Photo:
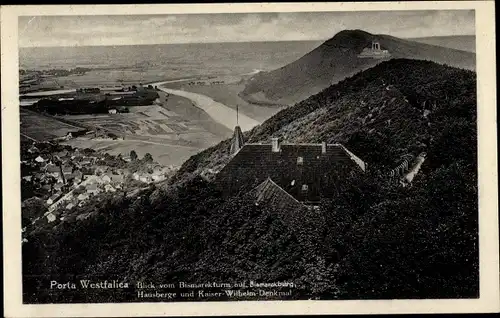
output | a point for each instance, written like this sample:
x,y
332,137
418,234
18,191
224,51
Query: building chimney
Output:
x,y
323,147
275,144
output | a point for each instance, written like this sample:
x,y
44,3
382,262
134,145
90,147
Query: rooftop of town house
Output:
x,y
82,196
109,187
52,168
67,167
55,196
77,174
117,177
58,185
62,153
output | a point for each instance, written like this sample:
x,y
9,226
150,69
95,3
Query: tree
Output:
x,y
133,155
148,158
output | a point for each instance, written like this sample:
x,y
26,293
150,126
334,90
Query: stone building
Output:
x,y
375,52
305,171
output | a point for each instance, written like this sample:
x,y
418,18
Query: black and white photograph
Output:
x,y
227,157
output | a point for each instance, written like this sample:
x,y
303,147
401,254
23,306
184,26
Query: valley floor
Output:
x,y
171,131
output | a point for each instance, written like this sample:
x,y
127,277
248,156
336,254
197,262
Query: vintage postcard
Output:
x,y
216,159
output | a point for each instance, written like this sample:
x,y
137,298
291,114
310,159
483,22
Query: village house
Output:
x,y
117,178
158,173
54,198
50,217
27,178
92,188
77,177
157,177
62,154
101,169
306,172
145,178
53,170
70,206
85,162
39,159
82,197
109,188
106,178
58,186
33,149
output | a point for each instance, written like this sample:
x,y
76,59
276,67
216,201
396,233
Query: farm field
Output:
x,y
142,120
163,153
42,128
115,77
170,132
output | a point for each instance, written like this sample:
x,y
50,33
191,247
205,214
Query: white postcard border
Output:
x,y
489,300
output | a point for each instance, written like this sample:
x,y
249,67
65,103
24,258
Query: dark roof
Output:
x,y
67,168
254,163
53,168
277,201
76,174
269,192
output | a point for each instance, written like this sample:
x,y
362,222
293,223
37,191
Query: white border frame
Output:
x,y
489,300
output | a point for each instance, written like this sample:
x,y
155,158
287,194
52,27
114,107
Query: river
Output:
x,y
217,111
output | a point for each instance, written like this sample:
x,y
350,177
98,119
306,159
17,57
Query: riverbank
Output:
x,y
219,112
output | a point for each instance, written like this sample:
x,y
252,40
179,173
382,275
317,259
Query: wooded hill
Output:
x,y
371,239
337,59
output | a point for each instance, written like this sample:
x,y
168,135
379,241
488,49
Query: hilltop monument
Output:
x,y
374,52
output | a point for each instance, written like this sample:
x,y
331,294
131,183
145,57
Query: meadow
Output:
x,y
42,128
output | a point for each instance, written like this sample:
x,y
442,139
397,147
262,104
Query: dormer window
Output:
x,y
300,160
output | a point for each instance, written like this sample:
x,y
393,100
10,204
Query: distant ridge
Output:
x,y
336,59
458,42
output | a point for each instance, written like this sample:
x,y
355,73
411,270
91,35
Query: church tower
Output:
x,y
237,141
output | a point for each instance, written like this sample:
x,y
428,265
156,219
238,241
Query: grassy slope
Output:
x,y
337,59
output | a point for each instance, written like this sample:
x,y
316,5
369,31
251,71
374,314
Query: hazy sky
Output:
x,y
196,28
